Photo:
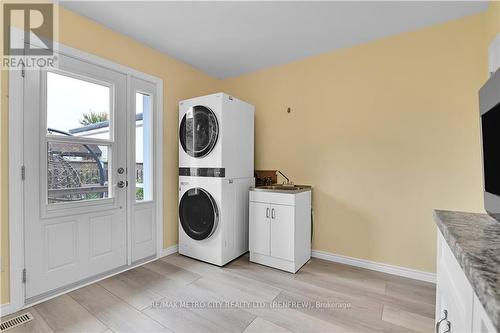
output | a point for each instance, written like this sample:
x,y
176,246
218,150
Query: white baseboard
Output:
x,y
169,250
376,266
373,265
5,309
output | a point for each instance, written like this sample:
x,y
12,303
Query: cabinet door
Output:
x,y
282,231
445,309
481,323
454,293
259,233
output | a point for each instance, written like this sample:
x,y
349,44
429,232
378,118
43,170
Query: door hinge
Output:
x,y
24,275
23,71
23,172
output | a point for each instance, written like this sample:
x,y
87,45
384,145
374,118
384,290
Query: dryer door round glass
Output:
x,y
198,213
199,131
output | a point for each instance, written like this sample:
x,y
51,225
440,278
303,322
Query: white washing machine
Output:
x,y
216,137
213,218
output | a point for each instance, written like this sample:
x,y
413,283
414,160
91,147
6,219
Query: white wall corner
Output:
x,y
494,55
376,266
169,250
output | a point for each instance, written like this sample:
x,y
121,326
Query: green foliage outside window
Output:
x,y
93,118
139,193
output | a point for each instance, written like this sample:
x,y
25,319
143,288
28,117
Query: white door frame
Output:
x,y
16,158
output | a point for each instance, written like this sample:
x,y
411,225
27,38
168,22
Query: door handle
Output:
x,y
273,213
121,184
267,212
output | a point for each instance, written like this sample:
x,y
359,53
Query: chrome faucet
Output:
x,y
287,180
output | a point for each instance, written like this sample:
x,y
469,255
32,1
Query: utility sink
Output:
x,y
283,188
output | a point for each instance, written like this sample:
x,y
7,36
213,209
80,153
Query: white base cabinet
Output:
x,y
481,323
457,307
280,229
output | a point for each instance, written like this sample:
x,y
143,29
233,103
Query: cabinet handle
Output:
x,y
267,212
273,214
448,328
444,318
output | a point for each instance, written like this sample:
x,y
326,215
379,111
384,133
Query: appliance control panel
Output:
x,y
203,172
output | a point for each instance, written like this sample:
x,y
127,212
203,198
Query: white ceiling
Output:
x,y
226,39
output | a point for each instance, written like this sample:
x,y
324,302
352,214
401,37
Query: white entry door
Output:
x,y
75,157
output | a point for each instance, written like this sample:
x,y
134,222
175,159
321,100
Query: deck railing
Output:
x,y
89,180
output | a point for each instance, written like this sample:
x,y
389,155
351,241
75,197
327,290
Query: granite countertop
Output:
x,y
474,239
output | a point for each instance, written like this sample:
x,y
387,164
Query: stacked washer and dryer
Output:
x,y
216,158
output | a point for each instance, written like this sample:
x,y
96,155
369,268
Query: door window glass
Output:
x,y
78,110
77,172
143,148
77,107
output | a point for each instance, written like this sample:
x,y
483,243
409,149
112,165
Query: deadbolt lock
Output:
x,y
121,170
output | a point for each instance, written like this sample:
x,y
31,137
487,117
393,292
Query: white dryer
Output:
x,y
216,137
213,218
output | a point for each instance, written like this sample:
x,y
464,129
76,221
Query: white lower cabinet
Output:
x,y
282,232
259,225
280,229
457,307
481,323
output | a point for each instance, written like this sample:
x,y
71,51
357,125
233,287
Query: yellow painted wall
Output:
x,y
385,132
180,82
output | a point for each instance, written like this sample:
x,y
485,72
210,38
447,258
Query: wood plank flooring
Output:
x,y
179,294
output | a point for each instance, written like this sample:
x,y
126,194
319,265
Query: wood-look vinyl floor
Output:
x,y
179,294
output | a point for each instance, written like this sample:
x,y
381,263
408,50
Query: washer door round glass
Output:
x,y
199,131
198,213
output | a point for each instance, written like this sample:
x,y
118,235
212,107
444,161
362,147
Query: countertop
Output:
x,y
474,239
298,189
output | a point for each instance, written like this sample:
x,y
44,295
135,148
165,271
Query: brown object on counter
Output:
x,y
265,177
